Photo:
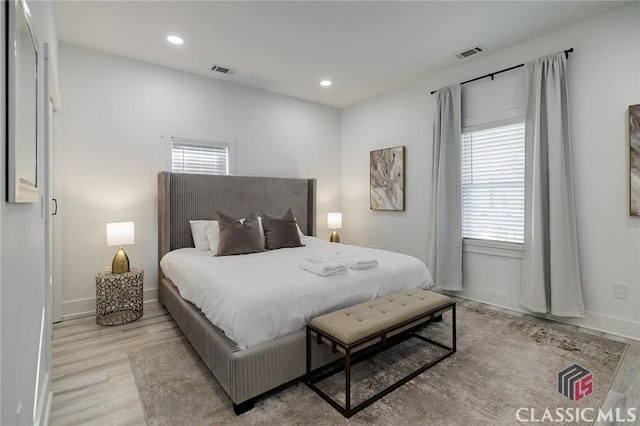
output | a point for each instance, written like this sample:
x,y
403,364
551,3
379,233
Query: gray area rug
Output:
x,y
504,362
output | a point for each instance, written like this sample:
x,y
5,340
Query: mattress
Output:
x,y
255,298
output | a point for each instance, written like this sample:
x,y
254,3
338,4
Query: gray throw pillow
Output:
x,y
280,232
239,238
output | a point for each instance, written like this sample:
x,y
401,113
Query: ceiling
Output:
x,y
365,48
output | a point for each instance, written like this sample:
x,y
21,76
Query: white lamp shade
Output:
x,y
334,220
120,234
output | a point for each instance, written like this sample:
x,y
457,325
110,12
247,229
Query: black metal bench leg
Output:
x,y
243,407
307,376
454,333
437,318
347,378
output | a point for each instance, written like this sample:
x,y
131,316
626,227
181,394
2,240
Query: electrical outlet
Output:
x,y
621,291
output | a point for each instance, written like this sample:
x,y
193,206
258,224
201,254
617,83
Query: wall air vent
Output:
x,y
222,69
471,51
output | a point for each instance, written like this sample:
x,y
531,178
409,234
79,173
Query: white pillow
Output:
x,y
213,236
300,234
261,231
200,230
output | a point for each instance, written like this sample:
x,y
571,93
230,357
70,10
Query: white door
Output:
x,y
54,270
53,261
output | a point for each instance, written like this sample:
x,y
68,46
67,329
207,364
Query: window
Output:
x,y
198,158
493,183
215,156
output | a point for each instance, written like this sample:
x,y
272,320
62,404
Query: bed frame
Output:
x,y
243,374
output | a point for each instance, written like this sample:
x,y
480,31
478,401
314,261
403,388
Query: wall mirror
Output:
x,y
22,105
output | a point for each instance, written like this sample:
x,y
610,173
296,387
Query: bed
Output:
x,y
251,364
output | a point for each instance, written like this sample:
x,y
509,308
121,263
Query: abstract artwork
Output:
x,y
634,169
386,179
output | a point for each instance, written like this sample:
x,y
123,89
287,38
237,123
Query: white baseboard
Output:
x,y
613,325
85,307
593,321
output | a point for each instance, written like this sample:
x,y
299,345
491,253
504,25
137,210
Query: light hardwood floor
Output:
x,y
92,381
93,384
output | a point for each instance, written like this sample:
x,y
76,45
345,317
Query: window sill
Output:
x,y
492,248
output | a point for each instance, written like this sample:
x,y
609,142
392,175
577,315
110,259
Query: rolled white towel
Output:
x,y
357,263
318,259
324,269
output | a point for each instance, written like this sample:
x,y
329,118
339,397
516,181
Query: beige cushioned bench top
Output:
x,y
354,323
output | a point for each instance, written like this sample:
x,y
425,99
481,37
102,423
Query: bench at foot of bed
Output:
x,y
379,323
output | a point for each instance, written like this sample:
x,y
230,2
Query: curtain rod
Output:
x,y
492,74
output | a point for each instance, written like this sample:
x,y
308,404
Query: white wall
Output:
x,y
110,152
604,80
23,287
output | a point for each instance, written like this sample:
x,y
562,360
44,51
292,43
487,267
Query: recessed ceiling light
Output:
x,y
326,83
174,39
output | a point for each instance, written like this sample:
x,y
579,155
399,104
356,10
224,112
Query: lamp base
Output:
x,y
120,263
335,238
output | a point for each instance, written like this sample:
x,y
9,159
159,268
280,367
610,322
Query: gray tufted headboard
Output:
x,y
183,197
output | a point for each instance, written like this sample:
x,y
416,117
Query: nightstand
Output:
x,y
118,296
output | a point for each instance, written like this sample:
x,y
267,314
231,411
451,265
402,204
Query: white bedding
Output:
x,y
255,298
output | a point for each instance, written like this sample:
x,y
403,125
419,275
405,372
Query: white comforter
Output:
x,y
258,297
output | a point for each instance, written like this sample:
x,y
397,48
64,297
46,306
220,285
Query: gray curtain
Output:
x,y
445,251
550,278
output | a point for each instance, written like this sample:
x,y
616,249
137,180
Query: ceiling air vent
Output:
x,y
471,51
222,69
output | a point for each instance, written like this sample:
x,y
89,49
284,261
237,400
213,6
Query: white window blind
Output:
x,y
195,157
493,184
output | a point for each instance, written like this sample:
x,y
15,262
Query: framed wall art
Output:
x,y
22,105
386,179
634,156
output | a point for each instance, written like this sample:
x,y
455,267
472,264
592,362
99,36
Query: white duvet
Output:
x,y
255,298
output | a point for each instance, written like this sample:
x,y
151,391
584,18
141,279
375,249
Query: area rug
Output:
x,y
505,370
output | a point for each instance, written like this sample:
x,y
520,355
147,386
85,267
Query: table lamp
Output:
x,y
120,234
334,221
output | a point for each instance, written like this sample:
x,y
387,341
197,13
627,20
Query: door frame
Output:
x,y
53,260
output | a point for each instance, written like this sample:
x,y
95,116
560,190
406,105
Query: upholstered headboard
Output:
x,y
183,197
